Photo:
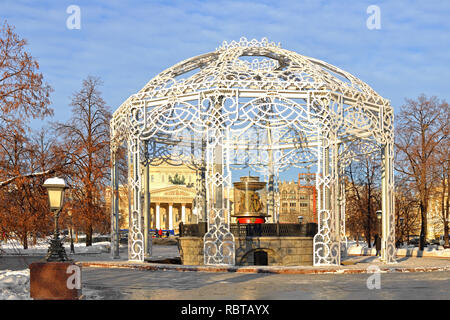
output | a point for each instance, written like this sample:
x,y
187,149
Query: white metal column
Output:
x,y
115,238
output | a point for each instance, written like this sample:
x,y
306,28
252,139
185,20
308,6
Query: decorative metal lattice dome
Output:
x,y
252,104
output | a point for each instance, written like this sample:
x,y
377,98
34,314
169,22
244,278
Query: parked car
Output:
x,y
415,241
436,241
123,236
101,238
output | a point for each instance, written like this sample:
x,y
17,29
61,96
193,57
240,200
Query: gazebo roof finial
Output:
x,y
244,43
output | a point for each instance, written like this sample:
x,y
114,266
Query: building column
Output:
x,y
158,218
183,213
170,216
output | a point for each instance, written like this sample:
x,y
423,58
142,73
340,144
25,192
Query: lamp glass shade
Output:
x,y
55,197
55,188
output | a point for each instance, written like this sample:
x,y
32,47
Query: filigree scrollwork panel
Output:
x,y
136,236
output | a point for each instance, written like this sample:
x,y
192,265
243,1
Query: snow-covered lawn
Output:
x,y
13,247
429,251
406,250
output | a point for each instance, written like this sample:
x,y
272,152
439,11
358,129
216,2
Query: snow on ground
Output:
x,y
13,247
429,251
353,244
15,285
405,250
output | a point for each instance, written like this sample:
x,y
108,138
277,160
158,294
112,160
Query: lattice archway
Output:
x,y
223,111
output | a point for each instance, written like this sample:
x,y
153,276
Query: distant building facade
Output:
x,y
297,199
438,202
170,203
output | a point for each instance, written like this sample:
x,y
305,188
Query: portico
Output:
x,y
171,205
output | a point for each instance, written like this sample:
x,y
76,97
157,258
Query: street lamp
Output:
x,y
55,189
72,248
300,220
401,228
379,214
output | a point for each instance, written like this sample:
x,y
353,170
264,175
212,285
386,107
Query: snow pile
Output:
x,y
15,285
91,294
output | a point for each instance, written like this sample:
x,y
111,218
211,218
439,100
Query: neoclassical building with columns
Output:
x,y
170,203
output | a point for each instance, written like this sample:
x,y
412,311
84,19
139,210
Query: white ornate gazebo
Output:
x,y
252,104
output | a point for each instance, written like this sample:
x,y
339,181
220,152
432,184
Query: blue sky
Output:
x,y
127,43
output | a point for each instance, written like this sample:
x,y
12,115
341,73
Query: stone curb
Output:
x,y
273,270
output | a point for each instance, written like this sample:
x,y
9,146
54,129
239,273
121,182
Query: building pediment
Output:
x,y
172,194
173,190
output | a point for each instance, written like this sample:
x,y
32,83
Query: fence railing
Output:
x,y
255,230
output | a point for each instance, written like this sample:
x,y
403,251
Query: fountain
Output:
x,y
248,206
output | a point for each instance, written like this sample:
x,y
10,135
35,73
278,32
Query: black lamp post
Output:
x,y
379,214
72,248
55,188
300,220
380,238
402,229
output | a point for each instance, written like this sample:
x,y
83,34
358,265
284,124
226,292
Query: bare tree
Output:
x,y
24,205
23,94
86,142
406,213
420,128
363,196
